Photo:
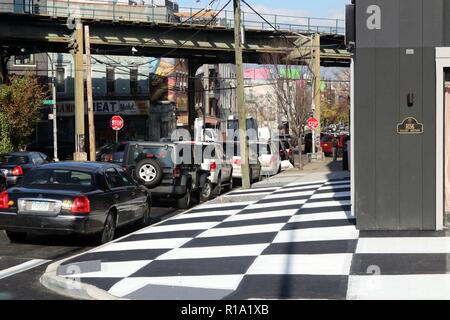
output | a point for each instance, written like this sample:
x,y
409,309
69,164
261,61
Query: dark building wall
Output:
x,y
395,174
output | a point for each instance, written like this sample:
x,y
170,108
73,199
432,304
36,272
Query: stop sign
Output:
x,y
117,123
313,123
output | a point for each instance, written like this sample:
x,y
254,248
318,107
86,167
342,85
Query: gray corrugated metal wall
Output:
x,y
395,174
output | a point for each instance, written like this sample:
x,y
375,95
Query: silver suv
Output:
x,y
221,170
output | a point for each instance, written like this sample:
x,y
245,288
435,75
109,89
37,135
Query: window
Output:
x,y
133,80
59,177
110,81
127,180
37,159
60,80
114,179
14,159
26,59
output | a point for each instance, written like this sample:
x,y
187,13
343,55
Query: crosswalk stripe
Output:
x,y
22,267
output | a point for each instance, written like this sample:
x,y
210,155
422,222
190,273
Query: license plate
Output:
x,y
40,206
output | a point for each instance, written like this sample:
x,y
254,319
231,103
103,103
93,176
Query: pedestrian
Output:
x,y
335,148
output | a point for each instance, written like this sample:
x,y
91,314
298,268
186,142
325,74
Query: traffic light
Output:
x,y
73,43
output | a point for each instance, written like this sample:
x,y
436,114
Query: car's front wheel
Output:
x,y
16,236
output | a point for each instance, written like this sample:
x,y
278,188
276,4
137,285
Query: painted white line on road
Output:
x,y
289,195
188,215
22,267
331,195
251,250
335,187
318,264
119,269
129,285
327,204
339,215
293,189
178,227
262,215
143,245
277,204
399,287
223,205
232,231
337,182
317,234
297,184
403,245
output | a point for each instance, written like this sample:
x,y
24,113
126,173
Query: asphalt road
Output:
x,y
22,264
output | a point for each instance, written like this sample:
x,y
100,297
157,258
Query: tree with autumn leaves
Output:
x,y
20,100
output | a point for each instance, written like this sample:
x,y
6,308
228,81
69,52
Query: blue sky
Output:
x,y
312,8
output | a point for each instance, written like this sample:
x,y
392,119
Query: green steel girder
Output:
x,y
211,45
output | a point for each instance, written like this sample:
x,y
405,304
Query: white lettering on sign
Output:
x,y
374,19
127,107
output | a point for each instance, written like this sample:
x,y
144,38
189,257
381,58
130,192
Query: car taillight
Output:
x,y
17,171
176,173
81,204
213,166
4,199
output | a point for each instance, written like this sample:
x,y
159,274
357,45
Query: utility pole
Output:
x,y
80,154
316,97
89,94
240,98
205,97
54,119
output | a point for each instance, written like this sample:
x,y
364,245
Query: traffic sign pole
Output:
x,y
117,124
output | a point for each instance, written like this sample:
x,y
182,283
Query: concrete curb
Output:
x,y
71,288
76,289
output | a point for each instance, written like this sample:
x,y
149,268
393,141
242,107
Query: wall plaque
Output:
x,y
410,126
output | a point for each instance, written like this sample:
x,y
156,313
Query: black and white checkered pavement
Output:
x,y
296,242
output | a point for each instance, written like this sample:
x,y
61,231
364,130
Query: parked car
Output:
x,y
112,152
87,198
3,181
269,157
220,170
326,143
65,149
15,165
167,169
235,159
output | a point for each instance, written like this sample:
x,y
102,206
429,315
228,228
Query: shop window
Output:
x,y
110,81
134,88
24,60
60,80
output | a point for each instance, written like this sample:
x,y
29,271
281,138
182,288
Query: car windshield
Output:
x,y
14,159
58,178
326,138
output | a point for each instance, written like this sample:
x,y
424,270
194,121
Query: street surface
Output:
x,y
22,264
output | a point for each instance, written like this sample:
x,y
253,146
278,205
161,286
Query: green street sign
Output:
x,y
48,102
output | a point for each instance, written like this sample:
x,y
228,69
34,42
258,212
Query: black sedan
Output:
x,y
15,165
87,198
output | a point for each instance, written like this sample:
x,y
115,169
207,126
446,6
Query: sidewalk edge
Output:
x,y
70,288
